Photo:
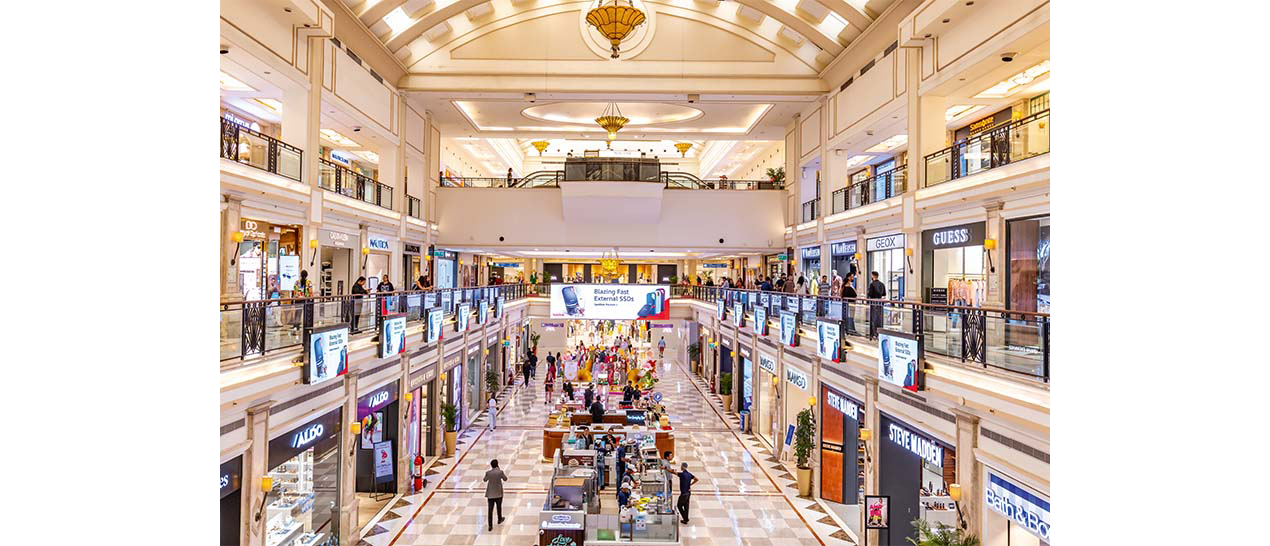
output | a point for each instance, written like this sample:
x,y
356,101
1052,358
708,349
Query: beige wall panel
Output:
x,y
354,84
555,37
868,93
683,39
262,23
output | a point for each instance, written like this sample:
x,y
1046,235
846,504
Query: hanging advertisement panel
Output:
x,y
789,329
435,317
462,315
392,336
610,301
900,360
760,321
829,336
325,353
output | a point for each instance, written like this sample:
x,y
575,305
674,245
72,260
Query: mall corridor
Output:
x,y
744,495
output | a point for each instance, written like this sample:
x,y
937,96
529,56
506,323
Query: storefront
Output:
x,y
810,261
445,263
507,272
338,262
914,470
768,385
411,265
376,450
268,259
842,457
452,388
1015,514
747,383
798,393
774,265
976,155
304,465
377,268
953,265
231,501
842,256
1028,264
886,257
472,379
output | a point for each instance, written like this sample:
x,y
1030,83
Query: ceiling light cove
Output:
x,y
639,113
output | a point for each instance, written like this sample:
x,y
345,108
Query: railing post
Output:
x,y
273,156
1045,348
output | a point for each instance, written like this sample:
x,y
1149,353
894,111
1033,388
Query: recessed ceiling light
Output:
x,y
272,104
889,144
230,83
856,160
1016,82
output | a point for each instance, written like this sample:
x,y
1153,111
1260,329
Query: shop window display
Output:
x,y
302,507
1029,264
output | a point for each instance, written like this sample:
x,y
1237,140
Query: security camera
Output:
x,y
357,129
693,98
1008,56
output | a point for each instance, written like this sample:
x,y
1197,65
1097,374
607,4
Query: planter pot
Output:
x,y
727,402
450,439
804,482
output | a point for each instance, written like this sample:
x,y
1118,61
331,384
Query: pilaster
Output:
x,y
231,219
871,422
403,426
968,474
347,490
255,466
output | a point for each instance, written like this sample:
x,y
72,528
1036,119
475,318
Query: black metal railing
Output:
x,y
811,210
1014,141
238,143
414,207
879,187
610,169
552,179
349,183
249,328
998,338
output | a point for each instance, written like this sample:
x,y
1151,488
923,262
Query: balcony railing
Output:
x,y
1015,141
238,143
811,210
414,207
876,188
349,183
992,338
250,328
552,179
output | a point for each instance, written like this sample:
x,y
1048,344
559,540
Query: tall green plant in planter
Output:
x,y
725,390
533,340
450,418
941,535
694,353
804,439
491,381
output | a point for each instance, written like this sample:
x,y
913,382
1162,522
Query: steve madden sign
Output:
x,y
843,405
885,243
955,236
923,447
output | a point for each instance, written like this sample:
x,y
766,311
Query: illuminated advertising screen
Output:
x,y
738,314
392,335
610,301
447,298
498,307
482,311
461,316
829,339
900,360
760,321
435,319
789,329
325,353
723,309
429,300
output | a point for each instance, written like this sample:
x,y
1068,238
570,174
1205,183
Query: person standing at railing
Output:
x,y
848,291
877,291
509,177
384,285
422,283
359,288
302,287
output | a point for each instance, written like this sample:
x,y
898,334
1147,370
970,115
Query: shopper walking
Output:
x,y
877,291
525,370
533,363
494,478
597,412
493,410
661,347
588,396
686,480
551,385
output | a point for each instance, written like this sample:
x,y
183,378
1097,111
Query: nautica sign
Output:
x,y
307,435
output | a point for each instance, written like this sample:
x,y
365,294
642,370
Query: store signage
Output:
x,y
760,320
464,314
611,301
376,242
307,436
376,400
335,238
325,353
899,360
738,314
553,325
506,264
845,248
763,299
745,352
722,309
796,378
954,237
231,476
920,445
1021,506
843,405
782,257
885,243
811,252
714,266
789,329
392,335
412,248
829,335
340,158
254,230
383,460
379,398
767,363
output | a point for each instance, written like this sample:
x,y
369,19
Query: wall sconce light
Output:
x,y
811,401
410,396
313,244
954,492
990,245
866,434
266,485
908,257
355,427
443,376
776,381
365,257
237,237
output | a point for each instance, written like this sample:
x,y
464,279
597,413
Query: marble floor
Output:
x,y
745,495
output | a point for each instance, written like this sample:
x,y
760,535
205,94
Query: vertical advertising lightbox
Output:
x,y
435,318
723,309
789,329
829,340
482,311
900,360
738,314
498,307
461,316
760,321
392,335
325,353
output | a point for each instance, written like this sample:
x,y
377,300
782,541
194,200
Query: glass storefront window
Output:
x,y
890,267
473,385
1029,264
303,500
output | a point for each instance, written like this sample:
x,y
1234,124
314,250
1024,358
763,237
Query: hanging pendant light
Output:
x,y
612,120
615,21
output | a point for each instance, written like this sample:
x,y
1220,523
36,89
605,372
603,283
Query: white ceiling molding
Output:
x,y
828,43
814,9
746,12
378,10
479,11
441,29
791,35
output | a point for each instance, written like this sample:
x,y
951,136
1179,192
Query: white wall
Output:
x,y
694,219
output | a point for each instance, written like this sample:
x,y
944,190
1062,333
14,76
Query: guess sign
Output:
x,y
955,236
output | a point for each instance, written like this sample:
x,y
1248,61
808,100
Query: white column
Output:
x,y
347,490
968,474
871,422
231,219
926,125
255,466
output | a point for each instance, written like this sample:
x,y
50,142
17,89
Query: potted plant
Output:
x,y
694,353
491,381
725,390
942,535
450,415
674,279
533,340
803,440
776,175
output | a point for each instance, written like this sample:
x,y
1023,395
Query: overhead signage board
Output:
x,y
954,236
767,363
795,377
325,353
376,242
811,252
885,243
1025,508
722,310
926,448
900,360
842,404
336,238
714,266
844,248
611,301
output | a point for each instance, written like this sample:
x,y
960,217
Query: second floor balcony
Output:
x,y
879,187
241,144
811,210
1015,141
349,183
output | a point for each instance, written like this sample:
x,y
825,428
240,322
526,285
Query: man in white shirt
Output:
x,y
493,409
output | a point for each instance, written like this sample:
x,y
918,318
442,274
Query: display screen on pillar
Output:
x,y
789,329
435,319
829,339
462,315
325,353
760,321
392,335
900,360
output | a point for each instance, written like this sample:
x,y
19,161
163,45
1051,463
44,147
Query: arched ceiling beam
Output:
x,y
858,19
429,20
798,24
376,12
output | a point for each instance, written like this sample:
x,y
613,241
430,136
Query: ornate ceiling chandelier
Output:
x,y
540,145
683,148
609,262
615,21
612,120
